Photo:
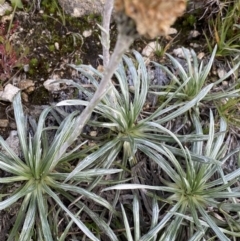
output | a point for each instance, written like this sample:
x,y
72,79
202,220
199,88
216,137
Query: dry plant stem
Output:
x,y
108,7
122,45
105,39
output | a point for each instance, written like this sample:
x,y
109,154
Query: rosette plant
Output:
x,y
194,75
37,180
197,199
119,113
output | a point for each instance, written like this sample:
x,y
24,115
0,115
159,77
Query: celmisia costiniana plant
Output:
x,y
39,176
192,197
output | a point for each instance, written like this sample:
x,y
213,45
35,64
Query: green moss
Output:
x,y
45,16
33,62
48,4
51,48
31,72
190,20
40,96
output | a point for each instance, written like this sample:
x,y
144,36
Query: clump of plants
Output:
x,y
64,185
192,78
40,174
229,109
224,30
198,205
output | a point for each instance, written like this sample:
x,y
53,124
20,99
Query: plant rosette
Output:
x,y
120,113
40,175
196,205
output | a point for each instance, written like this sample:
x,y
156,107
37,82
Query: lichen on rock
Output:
x,y
80,8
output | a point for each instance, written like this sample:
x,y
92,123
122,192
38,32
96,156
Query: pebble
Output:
x,y
56,44
4,123
194,34
225,83
181,54
13,142
201,55
87,33
51,86
151,48
221,73
93,133
82,8
9,92
27,85
24,97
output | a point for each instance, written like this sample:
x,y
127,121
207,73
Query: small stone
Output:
x,y
13,142
27,85
24,97
4,123
81,8
225,83
9,92
56,44
195,45
26,67
92,143
93,133
30,89
6,18
87,33
201,55
221,73
51,86
194,34
151,48
180,53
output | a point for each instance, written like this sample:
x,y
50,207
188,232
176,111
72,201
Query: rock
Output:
x,y
201,55
13,142
180,53
56,44
9,92
26,67
80,8
26,85
51,86
93,133
151,48
221,72
194,34
87,33
4,123
24,97
225,83
195,45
